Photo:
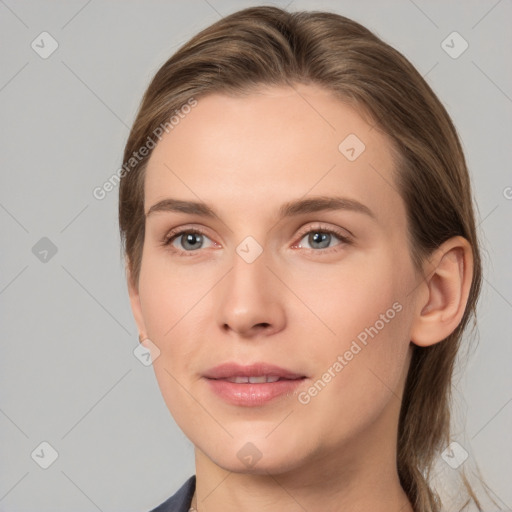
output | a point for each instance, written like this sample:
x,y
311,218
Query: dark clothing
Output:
x,y
181,500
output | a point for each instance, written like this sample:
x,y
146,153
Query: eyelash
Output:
x,y
343,238
171,236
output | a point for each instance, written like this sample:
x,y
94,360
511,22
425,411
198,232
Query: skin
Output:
x,y
298,305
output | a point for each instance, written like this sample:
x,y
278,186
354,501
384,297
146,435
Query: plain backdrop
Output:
x,y
68,373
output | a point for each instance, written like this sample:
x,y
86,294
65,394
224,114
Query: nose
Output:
x,y
250,299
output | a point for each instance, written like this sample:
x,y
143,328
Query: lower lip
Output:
x,y
253,395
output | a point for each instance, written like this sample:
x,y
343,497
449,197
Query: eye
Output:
x,y
186,240
320,238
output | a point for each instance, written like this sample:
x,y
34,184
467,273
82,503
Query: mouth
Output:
x,y
251,372
240,379
252,385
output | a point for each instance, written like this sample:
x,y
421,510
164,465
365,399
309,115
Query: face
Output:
x,y
295,260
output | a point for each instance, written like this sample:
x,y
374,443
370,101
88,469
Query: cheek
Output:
x,y
362,305
168,295
353,298
368,373
172,302
165,303
368,354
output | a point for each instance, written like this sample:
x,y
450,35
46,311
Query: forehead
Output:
x,y
271,145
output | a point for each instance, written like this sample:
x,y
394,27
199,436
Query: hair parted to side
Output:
x,y
269,46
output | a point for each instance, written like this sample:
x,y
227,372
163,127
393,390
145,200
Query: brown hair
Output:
x,y
269,46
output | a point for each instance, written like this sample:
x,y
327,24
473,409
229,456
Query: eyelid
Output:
x,y
174,233
168,239
343,235
319,226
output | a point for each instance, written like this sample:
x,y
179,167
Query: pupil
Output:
x,y
320,238
192,240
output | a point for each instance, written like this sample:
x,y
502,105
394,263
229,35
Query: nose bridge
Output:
x,y
249,296
249,276
248,261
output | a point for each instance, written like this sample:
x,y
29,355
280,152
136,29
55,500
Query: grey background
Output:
x,y
68,373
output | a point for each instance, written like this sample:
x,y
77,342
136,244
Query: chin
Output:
x,y
255,459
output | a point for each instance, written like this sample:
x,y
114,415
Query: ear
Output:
x,y
133,292
443,294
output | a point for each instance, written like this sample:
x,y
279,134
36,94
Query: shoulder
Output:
x,y
181,500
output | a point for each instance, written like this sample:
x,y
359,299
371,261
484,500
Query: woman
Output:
x,y
302,262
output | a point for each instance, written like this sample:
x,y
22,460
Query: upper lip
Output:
x,y
231,369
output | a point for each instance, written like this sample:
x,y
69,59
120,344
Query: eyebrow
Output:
x,y
289,209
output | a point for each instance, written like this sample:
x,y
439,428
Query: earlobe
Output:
x,y
443,295
133,292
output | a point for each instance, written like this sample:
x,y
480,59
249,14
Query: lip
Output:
x,y
252,394
230,369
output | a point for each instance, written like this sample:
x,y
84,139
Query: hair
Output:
x,y
267,46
